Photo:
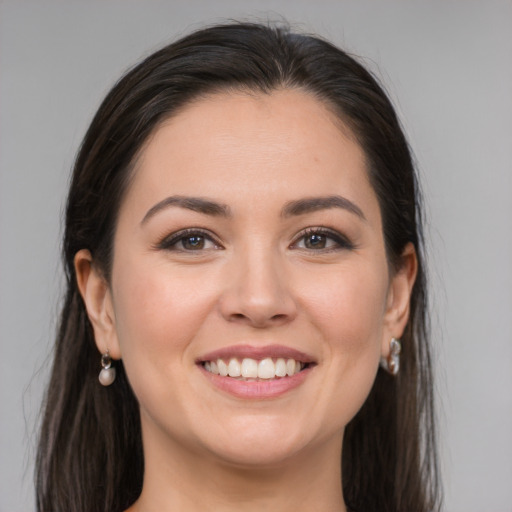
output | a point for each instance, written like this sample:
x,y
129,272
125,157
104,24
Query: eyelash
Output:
x,y
341,242
170,243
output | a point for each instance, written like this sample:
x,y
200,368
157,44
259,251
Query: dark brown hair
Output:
x,y
90,455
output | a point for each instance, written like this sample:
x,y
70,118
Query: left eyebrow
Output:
x,y
313,204
196,204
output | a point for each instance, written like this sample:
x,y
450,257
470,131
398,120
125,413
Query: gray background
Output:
x,y
448,68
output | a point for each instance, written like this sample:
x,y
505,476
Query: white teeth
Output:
x,y
266,369
280,367
249,368
223,368
252,369
234,368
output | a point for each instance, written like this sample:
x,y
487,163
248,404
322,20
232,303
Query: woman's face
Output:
x,y
250,240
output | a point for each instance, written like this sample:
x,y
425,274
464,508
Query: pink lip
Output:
x,y
258,353
256,390
260,389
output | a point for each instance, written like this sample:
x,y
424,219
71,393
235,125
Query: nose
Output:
x,y
257,291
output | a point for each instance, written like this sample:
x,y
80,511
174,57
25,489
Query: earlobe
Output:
x,y
97,297
399,297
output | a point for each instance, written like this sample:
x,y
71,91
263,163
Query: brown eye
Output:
x,y
189,241
315,241
322,239
193,243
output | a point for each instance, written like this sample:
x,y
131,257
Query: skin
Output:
x,y
255,279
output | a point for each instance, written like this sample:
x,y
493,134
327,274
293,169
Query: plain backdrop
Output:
x,y
448,68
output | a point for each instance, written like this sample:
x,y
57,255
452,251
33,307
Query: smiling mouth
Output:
x,y
248,369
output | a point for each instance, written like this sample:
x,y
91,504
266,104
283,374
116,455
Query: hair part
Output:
x,y
90,450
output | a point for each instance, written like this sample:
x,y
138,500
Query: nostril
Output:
x,y
258,320
253,307
238,316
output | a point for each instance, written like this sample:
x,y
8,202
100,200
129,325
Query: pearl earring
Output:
x,y
107,373
392,363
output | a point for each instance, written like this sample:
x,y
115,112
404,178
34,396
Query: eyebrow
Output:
x,y
196,204
313,204
292,208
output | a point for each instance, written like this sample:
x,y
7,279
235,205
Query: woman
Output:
x,y
242,248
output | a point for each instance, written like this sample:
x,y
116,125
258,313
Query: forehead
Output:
x,y
251,144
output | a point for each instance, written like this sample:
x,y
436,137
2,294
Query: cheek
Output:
x,y
347,306
347,310
157,312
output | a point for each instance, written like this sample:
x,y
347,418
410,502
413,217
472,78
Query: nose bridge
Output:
x,y
258,291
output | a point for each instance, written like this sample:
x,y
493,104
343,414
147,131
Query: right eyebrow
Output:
x,y
196,204
313,204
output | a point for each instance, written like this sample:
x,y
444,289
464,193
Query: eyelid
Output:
x,y
170,240
342,241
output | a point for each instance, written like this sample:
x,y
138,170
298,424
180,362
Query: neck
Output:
x,y
179,480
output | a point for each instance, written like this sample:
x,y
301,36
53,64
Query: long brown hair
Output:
x,y
90,455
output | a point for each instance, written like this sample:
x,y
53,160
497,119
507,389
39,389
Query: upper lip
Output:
x,y
258,353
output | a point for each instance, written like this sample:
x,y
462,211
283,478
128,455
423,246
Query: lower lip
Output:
x,y
256,390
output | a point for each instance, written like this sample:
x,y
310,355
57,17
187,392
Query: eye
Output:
x,y
321,239
189,240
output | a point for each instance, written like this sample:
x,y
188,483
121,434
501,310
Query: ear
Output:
x,y
98,301
399,297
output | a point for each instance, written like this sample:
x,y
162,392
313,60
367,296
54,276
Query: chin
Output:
x,y
258,442
257,455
